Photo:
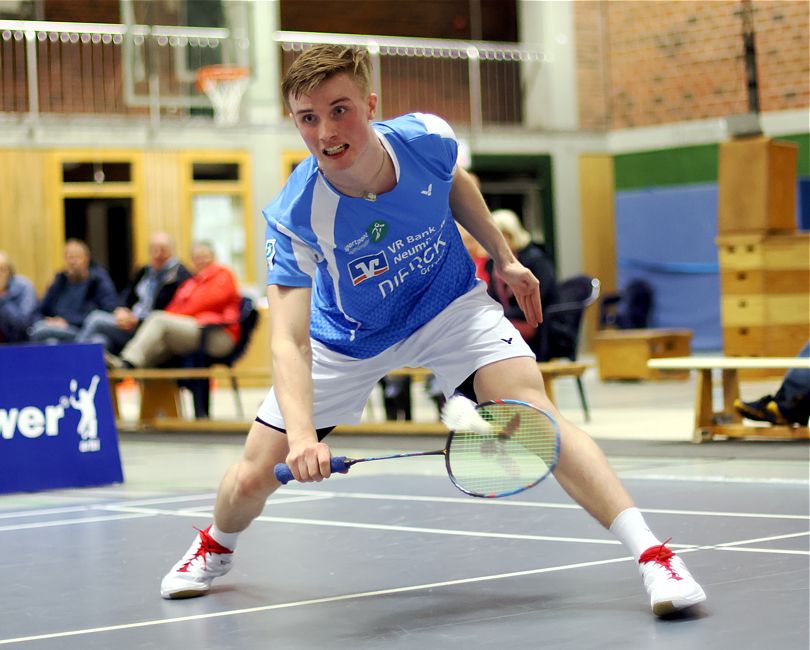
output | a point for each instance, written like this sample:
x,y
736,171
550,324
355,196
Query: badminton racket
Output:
x,y
494,449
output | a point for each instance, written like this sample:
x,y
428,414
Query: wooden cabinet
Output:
x,y
765,283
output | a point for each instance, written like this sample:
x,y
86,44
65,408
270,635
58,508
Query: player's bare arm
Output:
x,y
470,210
289,309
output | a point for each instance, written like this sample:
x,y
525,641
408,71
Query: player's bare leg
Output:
x,y
583,471
242,494
585,474
247,484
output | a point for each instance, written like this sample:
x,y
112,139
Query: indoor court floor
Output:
x,y
391,556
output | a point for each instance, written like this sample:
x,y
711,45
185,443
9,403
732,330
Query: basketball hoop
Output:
x,y
224,85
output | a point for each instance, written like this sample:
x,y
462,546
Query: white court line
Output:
x,y
19,514
683,548
314,601
173,499
387,527
755,540
208,508
778,551
70,522
533,504
43,512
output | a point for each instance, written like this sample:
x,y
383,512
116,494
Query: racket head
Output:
x,y
521,451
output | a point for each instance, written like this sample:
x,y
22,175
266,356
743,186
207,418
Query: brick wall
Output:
x,y
646,63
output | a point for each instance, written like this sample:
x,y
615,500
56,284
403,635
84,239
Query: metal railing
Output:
x,y
105,69
474,83
138,70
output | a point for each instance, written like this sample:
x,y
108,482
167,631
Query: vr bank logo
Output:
x,y
32,422
367,267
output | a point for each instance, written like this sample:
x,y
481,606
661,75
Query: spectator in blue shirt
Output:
x,y
18,300
82,287
152,287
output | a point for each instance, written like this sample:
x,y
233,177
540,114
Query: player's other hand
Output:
x,y
526,288
309,461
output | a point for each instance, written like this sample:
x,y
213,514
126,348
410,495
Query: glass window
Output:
x,y
89,172
215,171
218,218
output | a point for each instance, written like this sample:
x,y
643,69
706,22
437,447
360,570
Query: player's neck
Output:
x,y
366,184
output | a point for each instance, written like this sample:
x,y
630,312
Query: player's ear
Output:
x,y
372,105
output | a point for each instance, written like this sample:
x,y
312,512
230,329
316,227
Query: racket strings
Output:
x,y
519,452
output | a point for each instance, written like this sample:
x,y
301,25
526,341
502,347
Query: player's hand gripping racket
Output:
x,y
494,449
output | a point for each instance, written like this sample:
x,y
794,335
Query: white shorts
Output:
x,y
471,332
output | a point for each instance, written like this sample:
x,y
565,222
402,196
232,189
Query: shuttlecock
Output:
x,y
460,414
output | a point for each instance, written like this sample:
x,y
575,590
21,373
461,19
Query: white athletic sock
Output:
x,y
228,540
631,530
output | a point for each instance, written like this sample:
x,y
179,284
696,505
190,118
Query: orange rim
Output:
x,y
217,73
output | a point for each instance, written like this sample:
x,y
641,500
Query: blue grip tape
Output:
x,y
284,475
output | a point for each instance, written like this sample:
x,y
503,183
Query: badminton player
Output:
x,y
367,273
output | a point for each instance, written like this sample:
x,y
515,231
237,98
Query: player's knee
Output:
x,y
253,481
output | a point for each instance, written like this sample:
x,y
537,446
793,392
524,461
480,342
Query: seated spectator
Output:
x,y
791,403
81,288
152,287
536,259
18,300
210,297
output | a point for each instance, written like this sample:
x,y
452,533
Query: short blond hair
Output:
x,y
321,62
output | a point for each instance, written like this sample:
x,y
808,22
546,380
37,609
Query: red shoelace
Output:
x,y
207,545
660,555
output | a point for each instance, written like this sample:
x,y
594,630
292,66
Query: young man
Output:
x,y
367,273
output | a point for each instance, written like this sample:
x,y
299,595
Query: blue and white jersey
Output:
x,y
378,270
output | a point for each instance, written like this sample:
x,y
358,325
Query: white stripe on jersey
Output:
x,y
305,257
387,146
324,208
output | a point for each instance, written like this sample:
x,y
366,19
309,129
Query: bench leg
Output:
x,y
549,385
703,406
114,399
731,391
159,397
582,399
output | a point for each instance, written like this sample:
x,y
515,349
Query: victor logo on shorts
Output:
x,y
377,230
367,267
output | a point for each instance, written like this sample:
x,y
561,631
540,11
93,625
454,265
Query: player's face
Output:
x,y
334,122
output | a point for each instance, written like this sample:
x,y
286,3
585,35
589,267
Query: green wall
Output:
x,y
685,165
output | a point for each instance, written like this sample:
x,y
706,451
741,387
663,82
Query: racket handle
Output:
x,y
284,474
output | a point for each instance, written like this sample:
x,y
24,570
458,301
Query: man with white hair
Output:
x,y
152,287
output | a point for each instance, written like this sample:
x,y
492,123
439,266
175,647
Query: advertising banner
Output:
x,y
57,428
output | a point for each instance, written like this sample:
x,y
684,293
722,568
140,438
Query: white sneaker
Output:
x,y
668,581
192,576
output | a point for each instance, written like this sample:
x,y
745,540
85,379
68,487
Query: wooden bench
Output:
x,y
160,405
160,392
727,422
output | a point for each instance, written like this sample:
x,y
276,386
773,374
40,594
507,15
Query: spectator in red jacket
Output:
x,y
210,297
